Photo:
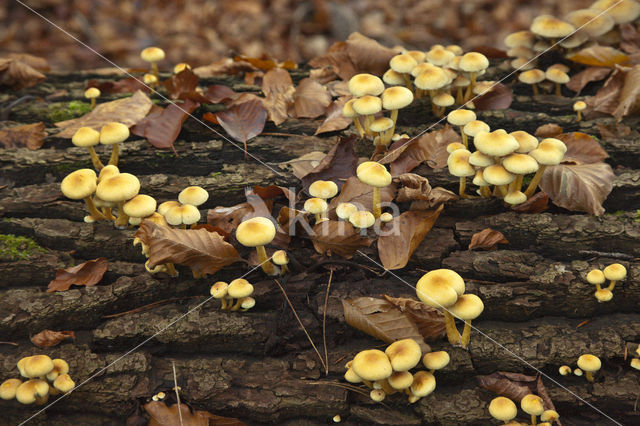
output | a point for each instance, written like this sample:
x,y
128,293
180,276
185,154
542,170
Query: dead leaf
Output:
x,y
613,131
606,99
128,111
335,120
178,85
629,100
499,97
17,75
291,222
402,236
244,120
440,195
582,149
278,90
356,192
538,203
126,85
580,80
550,130
49,338
265,63
310,99
430,321
338,237
28,135
225,66
412,187
273,191
35,62
599,56
228,218
162,127
88,274
385,321
487,239
161,415
219,93
302,166
203,251
490,52
339,163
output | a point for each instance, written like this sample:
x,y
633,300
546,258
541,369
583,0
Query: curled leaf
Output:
x,y
339,163
88,273
162,127
580,80
278,90
499,97
310,99
338,237
163,415
412,187
629,100
487,239
582,148
335,120
16,74
49,338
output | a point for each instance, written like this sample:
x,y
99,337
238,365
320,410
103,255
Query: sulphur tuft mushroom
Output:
x,y
139,207
194,195
459,166
182,215
88,138
473,63
532,77
239,289
564,370
362,219
317,207
118,189
281,259
549,152
345,210
31,391
349,112
92,93
219,291
460,118
80,185
614,273
549,416
323,189
596,277
578,107
589,364
440,289
558,77
532,405
404,354
503,409
64,383
8,388
112,134
153,55
371,365
394,99
467,308
375,175
423,384
435,360
258,232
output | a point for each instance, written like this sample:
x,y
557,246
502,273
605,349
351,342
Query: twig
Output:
x,y
149,306
284,135
9,343
301,325
344,262
622,256
324,323
175,384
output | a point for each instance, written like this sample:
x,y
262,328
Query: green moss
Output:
x,y
18,248
164,154
61,111
72,167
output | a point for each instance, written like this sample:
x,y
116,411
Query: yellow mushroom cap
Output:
x,y
521,52
577,372
520,164
149,79
404,354
443,100
365,84
345,210
92,93
193,195
347,109
367,105
247,302
532,76
454,146
29,391
8,388
457,50
112,133
184,214
381,124
64,383
557,76
574,40
436,360
439,56
396,97
498,175
461,117
280,258
108,171
595,276
592,22
140,206
458,163
377,395
603,295
551,27
520,39
86,136
564,370
523,64
219,289
315,205
120,187
38,365
239,288
438,288
547,153
79,184
257,231
20,366
474,127
400,379
532,404
323,189
163,208
152,54
467,307
181,67
60,366
402,63
478,179
423,384
497,143
351,376
526,141
473,62
615,272
579,106
362,219
420,68
588,362
480,159
515,197
393,78
549,416
624,10
503,409
386,217
418,55
372,365
374,174
432,78
635,363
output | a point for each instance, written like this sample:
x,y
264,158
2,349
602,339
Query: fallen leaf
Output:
x,y
356,192
210,117
582,149
629,100
126,85
490,52
487,239
606,99
278,90
226,235
538,203
219,93
265,63
49,338
310,100
440,195
550,130
203,251
225,66
162,127
302,166
339,163
228,218
244,120
430,321
181,84
88,274
412,187
28,135
499,97
613,131
17,75
274,191
291,222
599,56
128,111
161,415
35,62
338,237
402,236
590,74
335,120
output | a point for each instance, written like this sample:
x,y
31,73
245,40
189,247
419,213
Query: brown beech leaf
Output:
x,y
335,120
49,338
586,76
182,83
538,203
244,120
402,236
162,127
499,97
35,62
302,166
606,99
310,99
28,135
599,56
412,187
339,163
356,192
17,74
291,222
273,191
487,239
338,237
161,415
225,66
128,111
550,130
615,131
203,251
126,85
578,187
430,321
629,101
265,63
382,319
278,90
88,273
228,218
439,195
219,93
582,148
206,226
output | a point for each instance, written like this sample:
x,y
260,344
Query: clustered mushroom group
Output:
x,y
505,410
386,373
46,377
614,273
587,364
234,296
112,134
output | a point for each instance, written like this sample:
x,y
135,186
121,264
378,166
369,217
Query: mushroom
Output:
x,y
375,175
458,164
589,364
472,63
454,146
386,217
400,380
362,219
591,22
92,93
194,195
614,273
163,208
238,289
403,64
478,180
596,276
431,80
323,189
371,365
365,84
152,55
549,416
345,210
139,206
118,189
622,11
423,384
532,77
382,126
281,259
526,142
578,107
178,68
440,289
520,39
258,232
549,152
8,388
377,395
31,391
418,55
558,77
532,405
349,112
404,354
603,295
182,215
460,118
219,291
64,383
503,409
393,78
442,101
112,134
577,372
317,207
246,303
564,370
351,376
473,128
550,27
635,363
435,360
519,165
367,106
468,307
394,99
80,185
150,80
60,366
497,175
439,56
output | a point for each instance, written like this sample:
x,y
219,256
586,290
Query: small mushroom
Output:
x,y
549,416
394,99
324,189
362,219
371,365
194,195
281,259
431,80
153,55
460,118
532,77
532,405
150,80
503,409
317,207
589,364
596,276
345,210
578,107
80,185
112,134
8,388
558,77
377,395
375,175
183,215
440,289
614,273
246,303
258,232
400,380
386,217
404,354
31,391
472,63
219,291
467,308
564,370
368,106
435,360
238,289
635,363
349,112
577,372
423,384
139,206
549,152
92,93
64,383
119,189
382,126
178,68
459,166
403,64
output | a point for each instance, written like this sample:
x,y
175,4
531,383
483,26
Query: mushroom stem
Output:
x,y
459,98
93,211
472,83
265,263
356,122
463,187
466,334
598,287
154,69
115,150
534,420
534,182
407,80
485,192
394,118
171,270
320,216
579,116
535,89
283,269
558,90
386,387
516,185
376,202
123,219
450,325
368,383
106,211
236,305
589,375
612,285
93,103
502,190
465,140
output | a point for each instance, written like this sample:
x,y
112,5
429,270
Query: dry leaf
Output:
x,y
310,99
538,203
412,187
582,148
17,75
586,76
28,135
335,120
629,100
499,97
402,236
181,84
265,63
161,415
219,93
606,99
302,166
550,130
88,273
487,239
126,85
278,90
128,111
225,66
599,56
338,237
614,131
356,192
430,321
203,251
339,163
49,338
33,61
440,195
244,120
162,127
273,191
228,218
291,222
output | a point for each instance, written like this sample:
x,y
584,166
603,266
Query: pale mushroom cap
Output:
x,y
588,362
247,302
152,54
20,366
257,231
603,295
113,132
496,174
351,376
577,372
365,84
178,68
134,221
478,179
400,379
458,163
29,390
347,109
551,27
367,105
440,56
431,79
377,395
435,289
239,288
403,63
315,205
86,136
595,276
467,307
556,143
557,76
158,219
541,46
520,39
549,416
108,171
635,363
345,210
525,141
473,62
532,404
8,388
520,164
372,365
193,195
579,106
474,127
396,97
574,40
163,208
564,370
323,189
120,187
423,383
496,144
420,68
64,383
386,217
523,64
503,409
418,55
61,366
140,206
381,124
392,78
149,79
182,214
79,184
521,52
92,93
461,81
454,146
362,219
592,22
624,11
404,354
436,360
280,258
515,197
457,50
547,154
461,117
219,289
615,272
531,76
479,159
443,100
374,174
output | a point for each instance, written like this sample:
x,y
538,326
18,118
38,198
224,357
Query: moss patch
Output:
x,y
18,248
62,111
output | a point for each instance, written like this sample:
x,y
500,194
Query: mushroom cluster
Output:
x,y
505,410
635,361
503,159
388,372
587,364
112,134
45,377
234,296
614,273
